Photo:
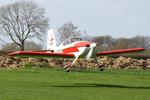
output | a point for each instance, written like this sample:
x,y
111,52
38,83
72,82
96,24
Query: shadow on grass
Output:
x,y
80,85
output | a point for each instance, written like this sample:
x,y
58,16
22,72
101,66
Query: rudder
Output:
x,y
51,40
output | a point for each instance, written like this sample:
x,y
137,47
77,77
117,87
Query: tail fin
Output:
x,y
51,40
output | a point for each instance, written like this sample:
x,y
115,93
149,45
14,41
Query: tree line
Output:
x,y
109,43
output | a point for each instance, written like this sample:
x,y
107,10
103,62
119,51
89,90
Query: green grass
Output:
x,y
56,84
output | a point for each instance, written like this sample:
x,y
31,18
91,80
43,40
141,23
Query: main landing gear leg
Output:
x,y
101,67
69,65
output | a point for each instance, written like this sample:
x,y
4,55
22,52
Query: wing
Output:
x,y
122,51
41,54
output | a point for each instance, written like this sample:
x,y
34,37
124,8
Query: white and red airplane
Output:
x,y
77,49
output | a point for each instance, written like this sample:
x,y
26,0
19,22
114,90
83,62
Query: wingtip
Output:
x,y
14,53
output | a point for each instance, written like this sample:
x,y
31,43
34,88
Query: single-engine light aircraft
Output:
x,y
77,49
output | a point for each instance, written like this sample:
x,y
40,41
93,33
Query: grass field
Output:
x,y
56,84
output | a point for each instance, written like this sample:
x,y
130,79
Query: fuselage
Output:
x,y
78,48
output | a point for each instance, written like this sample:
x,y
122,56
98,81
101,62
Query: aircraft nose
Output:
x,y
92,45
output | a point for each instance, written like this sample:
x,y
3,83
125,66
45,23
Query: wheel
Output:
x,y
102,69
68,69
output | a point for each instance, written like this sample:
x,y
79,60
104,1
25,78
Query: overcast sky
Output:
x,y
118,18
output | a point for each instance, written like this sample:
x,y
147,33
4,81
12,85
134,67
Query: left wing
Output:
x,y
38,54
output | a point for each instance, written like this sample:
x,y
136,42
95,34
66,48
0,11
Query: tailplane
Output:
x,y
51,40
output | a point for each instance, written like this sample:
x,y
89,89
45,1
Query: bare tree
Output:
x,y
68,31
30,45
23,20
140,41
2,39
106,42
121,43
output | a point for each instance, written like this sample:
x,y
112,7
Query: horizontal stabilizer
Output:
x,y
119,51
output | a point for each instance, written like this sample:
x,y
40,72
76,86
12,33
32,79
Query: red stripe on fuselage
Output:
x,y
76,46
70,49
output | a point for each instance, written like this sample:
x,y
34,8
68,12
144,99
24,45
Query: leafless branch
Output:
x,y
23,20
